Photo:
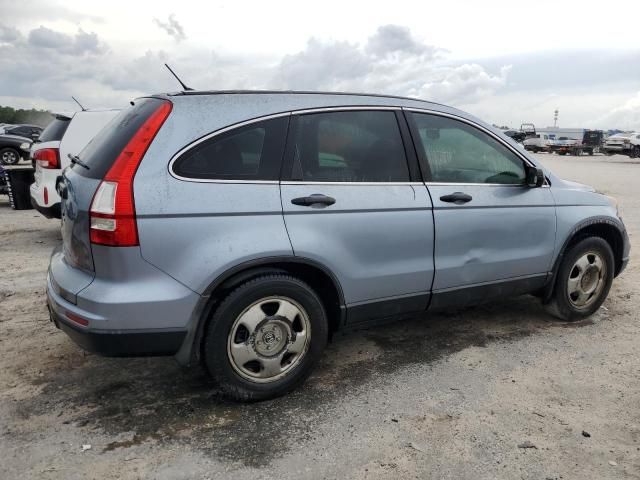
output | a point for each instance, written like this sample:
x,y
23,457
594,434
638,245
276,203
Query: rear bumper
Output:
x,y
135,310
121,344
615,148
52,211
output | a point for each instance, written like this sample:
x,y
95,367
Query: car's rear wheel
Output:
x,y
584,279
9,156
265,337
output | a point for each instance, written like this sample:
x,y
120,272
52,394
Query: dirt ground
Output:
x,y
449,396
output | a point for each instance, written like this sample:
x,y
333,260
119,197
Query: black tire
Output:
x,y
635,153
216,355
561,305
9,156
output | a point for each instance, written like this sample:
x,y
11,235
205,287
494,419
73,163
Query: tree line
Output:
x,y
32,116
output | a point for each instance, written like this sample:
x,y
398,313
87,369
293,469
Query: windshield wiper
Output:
x,y
76,161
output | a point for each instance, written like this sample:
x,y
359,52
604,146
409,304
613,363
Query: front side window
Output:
x,y
350,146
252,152
459,153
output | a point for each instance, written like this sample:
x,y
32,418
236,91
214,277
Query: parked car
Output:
x,y
563,145
13,148
31,132
517,136
624,143
541,142
66,135
241,229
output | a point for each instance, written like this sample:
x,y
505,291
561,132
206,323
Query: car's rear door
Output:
x,y
352,203
493,234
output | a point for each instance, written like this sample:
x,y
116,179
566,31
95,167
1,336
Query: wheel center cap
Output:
x,y
271,338
589,279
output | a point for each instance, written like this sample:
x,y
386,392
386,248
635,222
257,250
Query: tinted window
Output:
x,y
55,130
253,152
362,146
459,153
21,131
104,148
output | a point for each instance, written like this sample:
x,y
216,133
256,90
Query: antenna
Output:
x,y
178,78
76,100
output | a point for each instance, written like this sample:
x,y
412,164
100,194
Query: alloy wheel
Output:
x,y
586,280
268,339
9,157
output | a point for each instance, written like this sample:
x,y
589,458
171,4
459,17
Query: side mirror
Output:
x,y
535,177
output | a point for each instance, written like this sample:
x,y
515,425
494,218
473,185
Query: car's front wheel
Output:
x,y
584,279
9,156
265,337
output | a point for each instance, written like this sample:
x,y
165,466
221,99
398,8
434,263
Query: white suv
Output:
x,y
66,134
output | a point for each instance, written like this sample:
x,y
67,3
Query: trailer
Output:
x,y
583,141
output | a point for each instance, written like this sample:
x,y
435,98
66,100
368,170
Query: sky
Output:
x,y
507,62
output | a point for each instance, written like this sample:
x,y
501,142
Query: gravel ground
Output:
x,y
453,395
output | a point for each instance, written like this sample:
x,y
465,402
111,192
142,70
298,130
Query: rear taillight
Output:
x,y
113,214
47,158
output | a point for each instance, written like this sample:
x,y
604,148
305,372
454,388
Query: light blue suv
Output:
x,y
241,229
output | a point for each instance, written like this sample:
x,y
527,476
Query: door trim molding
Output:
x,y
473,294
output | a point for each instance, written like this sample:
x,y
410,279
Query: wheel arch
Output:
x,y
603,227
320,278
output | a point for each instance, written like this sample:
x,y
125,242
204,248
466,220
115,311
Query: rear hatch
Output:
x,y
82,178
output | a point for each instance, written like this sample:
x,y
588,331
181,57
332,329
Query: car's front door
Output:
x,y
351,204
493,234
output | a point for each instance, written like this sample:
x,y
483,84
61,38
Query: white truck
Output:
x,y
541,142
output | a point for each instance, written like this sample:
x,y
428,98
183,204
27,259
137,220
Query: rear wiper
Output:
x,y
76,161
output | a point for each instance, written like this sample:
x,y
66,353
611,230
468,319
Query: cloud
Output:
x,y
322,66
77,44
507,90
9,34
390,39
463,84
172,27
625,116
391,61
27,11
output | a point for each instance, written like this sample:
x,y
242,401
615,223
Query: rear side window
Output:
x,y
350,146
55,130
252,152
102,151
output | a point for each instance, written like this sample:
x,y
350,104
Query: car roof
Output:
x,y
26,125
297,92
254,103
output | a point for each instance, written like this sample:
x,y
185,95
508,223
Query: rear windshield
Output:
x,y
55,130
104,148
